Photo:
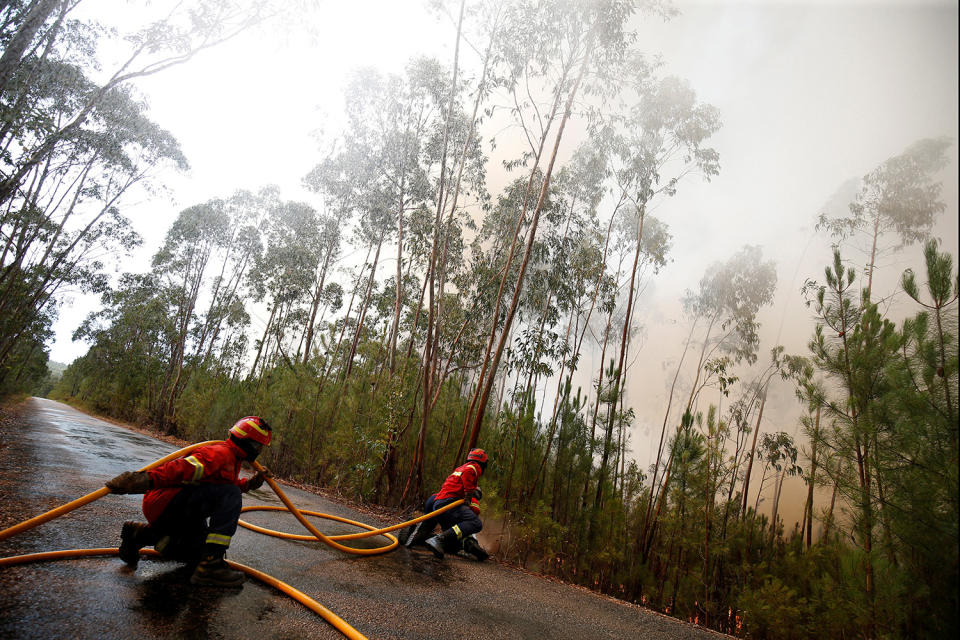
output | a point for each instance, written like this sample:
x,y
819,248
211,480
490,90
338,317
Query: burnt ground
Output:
x,y
51,453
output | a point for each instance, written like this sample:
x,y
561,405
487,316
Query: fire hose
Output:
x,y
334,541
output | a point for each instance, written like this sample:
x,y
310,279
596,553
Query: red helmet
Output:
x,y
252,428
477,455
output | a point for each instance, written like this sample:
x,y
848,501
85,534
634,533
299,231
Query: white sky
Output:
x,y
811,94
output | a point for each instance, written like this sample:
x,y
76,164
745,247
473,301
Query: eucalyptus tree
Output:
x,y
381,170
777,450
123,370
654,144
640,244
536,344
576,265
397,138
43,37
204,257
63,224
487,19
284,273
731,294
181,263
24,28
415,476
247,214
759,388
527,61
739,416
573,45
330,237
70,145
901,197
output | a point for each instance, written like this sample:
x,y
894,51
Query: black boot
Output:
x,y
133,537
213,570
444,541
472,546
419,534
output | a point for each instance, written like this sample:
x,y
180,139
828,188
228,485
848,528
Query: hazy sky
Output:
x,y
811,94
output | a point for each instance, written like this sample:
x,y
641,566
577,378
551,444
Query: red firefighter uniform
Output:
x,y
214,464
463,480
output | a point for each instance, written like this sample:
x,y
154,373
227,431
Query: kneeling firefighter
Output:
x,y
193,503
459,525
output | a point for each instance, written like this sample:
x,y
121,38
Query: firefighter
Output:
x,y
192,504
459,525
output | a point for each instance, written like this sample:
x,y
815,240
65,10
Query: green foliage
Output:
x,y
775,611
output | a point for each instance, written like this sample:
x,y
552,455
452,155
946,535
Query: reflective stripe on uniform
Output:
x,y
456,529
197,469
218,538
456,473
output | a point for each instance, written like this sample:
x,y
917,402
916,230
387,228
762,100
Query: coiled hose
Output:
x,y
334,541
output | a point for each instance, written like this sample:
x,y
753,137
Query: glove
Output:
x,y
256,481
476,493
130,482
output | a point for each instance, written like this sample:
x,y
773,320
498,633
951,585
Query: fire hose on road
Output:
x,y
334,541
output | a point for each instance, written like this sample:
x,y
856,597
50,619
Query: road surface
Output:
x,y
53,454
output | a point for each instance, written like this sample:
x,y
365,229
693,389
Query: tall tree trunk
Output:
x,y
618,372
593,425
16,47
263,341
553,418
532,232
363,307
415,477
190,291
448,228
873,254
315,304
776,504
753,450
828,523
648,536
398,299
483,386
808,508
708,504
663,433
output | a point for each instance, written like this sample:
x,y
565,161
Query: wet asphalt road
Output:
x,y
60,454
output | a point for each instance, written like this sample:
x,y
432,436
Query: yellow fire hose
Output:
x,y
339,623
